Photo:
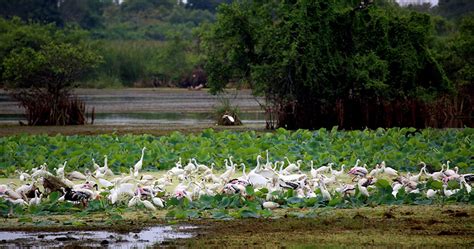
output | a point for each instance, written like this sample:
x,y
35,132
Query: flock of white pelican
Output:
x,y
192,180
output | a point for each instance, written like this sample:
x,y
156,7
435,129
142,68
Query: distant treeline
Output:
x,y
145,42
142,42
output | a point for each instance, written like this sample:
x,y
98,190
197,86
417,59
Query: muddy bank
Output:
x,y
400,226
9,130
383,226
139,111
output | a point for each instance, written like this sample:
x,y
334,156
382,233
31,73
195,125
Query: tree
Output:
x,y
86,13
170,64
144,5
210,5
455,9
308,56
44,11
456,53
17,35
39,65
42,79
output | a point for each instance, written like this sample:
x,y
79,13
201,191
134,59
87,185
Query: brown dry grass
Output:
x,y
385,226
397,226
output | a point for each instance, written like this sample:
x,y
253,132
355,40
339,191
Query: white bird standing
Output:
x,y
338,172
37,199
95,165
105,183
395,187
313,172
363,190
148,204
452,174
257,180
387,170
60,170
24,176
435,175
190,167
324,191
139,164
431,193
324,168
447,192
416,178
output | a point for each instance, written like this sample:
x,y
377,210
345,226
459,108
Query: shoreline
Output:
x,y
404,225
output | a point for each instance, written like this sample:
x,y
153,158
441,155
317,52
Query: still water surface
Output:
x,y
144,239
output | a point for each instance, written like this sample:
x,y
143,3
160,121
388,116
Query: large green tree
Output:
x,y
16,35
308,56
42,80
40,64
456,53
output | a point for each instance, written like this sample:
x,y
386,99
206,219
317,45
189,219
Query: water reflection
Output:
x,y
143,239
153,118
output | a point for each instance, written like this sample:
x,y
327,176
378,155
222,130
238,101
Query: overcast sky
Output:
x,y
433,2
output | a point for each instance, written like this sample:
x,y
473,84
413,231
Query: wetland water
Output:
x,y
144,239
150,106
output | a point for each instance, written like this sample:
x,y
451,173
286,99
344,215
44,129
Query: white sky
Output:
x,y
433,2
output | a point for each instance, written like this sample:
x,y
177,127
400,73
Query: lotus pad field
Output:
x,y
402,149
130,181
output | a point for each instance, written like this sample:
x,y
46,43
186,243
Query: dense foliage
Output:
x,y
319,61
454,9
136,37
135,30
16,37
398,147
40,65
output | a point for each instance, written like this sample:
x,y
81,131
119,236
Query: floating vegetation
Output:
x,y
403,148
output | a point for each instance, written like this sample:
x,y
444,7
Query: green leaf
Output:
x,y
225,202
221,214
265,213
294,200
54,196
383,184
249,190
335,201
435,185
247,213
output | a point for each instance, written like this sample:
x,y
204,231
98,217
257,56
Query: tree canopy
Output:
x,y
54,66
39,66
309,54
